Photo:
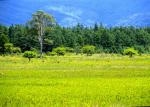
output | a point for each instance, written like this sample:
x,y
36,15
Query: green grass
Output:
x,y
75,81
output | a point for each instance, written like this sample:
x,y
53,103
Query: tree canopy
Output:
x,y
105,39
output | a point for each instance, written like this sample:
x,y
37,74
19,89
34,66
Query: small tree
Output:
x,y
29,55
60,51
130,52
88,49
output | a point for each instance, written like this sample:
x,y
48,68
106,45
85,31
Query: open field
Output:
x,y
75,81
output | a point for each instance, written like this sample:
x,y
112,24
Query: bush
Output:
x,y
88,49
29,54
51,53
16,50
34,50
60,51
8,48
68,49
130,52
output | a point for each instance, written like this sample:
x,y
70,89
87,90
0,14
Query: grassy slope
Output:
x,y
75,81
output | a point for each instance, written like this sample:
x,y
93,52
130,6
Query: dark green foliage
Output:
x,y
77,50
88,49
60,51
108,40
29,54
23,37
130,52
3,37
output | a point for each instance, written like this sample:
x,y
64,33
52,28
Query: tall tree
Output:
x,y
41,20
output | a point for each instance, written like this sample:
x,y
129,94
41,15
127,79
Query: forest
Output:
x,y
105,39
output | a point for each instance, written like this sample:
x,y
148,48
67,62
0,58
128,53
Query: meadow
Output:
x,y
100,80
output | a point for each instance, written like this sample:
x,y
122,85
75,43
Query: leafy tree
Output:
x,y
3,40
29,55
88,49
41,20
105,39
130,52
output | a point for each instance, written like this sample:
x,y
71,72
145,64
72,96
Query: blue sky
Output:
x,y
71,12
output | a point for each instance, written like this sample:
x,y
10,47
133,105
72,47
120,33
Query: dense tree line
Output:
x,y
109,40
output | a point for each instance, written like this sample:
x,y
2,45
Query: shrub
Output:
x,y
8,48
60,51
16,50
29,54
51,53
34,50
68,49
130,52
88,49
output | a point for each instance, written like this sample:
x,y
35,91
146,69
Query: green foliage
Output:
x,y
60,51
29,54
130,52
34,50
108,40
16,50
77,50
40,21
51,53
8,48
68,49
3,40
88,49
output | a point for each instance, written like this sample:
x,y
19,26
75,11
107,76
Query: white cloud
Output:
x,y
133,18
69,21
69,11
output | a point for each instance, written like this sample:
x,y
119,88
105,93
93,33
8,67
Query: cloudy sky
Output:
x,y
71,12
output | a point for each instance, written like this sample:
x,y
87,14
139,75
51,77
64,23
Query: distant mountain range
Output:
x,y
71,12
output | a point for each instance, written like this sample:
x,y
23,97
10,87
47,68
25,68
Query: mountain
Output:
x,y
71,12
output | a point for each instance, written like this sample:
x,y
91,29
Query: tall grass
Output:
x,y
75,81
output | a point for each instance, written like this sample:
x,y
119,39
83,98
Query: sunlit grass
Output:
x,y
75,81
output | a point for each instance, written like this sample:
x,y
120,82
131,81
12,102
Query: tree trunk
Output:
x,y
41,49
41,40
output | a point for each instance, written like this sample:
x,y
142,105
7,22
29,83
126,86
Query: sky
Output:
x,y
71,12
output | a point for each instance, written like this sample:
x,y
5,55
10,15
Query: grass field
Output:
x,y
75,81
